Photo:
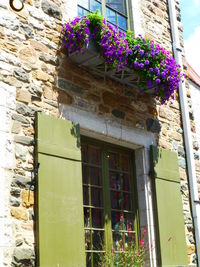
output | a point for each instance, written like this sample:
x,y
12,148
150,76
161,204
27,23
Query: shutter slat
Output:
x,y
169,208
60,200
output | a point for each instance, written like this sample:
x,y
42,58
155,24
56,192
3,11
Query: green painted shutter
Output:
x,y
169,207
59,193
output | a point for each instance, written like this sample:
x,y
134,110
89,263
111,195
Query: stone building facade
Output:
x,y
37,76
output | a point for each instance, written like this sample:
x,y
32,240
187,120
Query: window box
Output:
x,y
133,61
91,59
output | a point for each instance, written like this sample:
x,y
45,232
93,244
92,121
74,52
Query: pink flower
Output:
x,y
141,242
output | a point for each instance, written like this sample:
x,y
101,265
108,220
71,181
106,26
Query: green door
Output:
x,y
169,208
59,194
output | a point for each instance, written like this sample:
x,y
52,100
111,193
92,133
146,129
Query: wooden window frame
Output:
x,y
108,232
103,11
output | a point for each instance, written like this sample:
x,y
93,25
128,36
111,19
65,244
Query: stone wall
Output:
x,y
35,67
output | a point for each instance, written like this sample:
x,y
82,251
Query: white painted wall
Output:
x,y
195,95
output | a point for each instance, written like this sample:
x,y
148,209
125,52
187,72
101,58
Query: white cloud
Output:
x,y
192,49
196,3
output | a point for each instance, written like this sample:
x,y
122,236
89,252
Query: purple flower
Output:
x,y
146,62
157,80
141,65
87,21
150,70
137,47
163,74
136,64
141,52
149,83
86,30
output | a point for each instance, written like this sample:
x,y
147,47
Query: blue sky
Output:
x,y
190,16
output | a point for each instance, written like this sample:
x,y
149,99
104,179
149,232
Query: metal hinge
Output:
x,y
34,174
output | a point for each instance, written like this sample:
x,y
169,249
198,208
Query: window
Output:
x,y
109,199
115,11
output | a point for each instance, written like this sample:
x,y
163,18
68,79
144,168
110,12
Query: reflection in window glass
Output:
x,y
94,5
122,22
83,3
111,16
119,5
81,12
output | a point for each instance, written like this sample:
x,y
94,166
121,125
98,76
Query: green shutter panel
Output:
x,y
59,193
169,207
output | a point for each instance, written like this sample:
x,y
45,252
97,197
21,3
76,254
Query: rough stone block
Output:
x,y
25,140
23,256
51,9
19,213
24,109
21,119
27,198
21,75
153,125
66,85
21,181
118,113
23,96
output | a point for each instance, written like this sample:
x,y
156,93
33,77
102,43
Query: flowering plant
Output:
x,y
129,255
110,42
155,67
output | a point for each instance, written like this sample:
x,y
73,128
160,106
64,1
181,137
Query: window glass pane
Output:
x,y
85,174
96,197
129,239
84,3
119,5
95,176
98,240
84,154
117,240
116,200
94,155
128,221
88,259
85,195
125,182
116,218
97,218
125,162
122,22
126,202
113,161
87,217
115,181
87,239
94,5
81,12
111,16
